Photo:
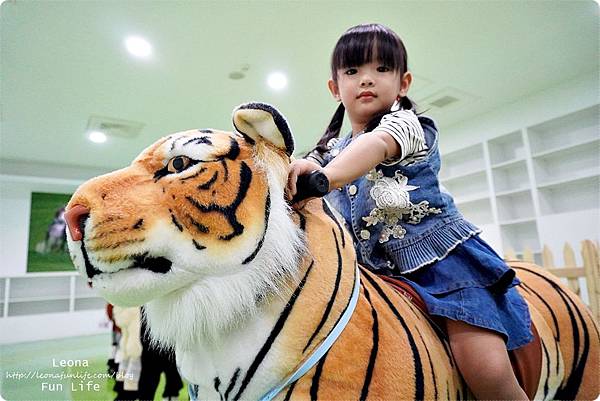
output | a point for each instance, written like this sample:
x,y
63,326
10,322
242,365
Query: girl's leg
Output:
x,y
483,361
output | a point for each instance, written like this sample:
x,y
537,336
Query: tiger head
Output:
x,y
197,227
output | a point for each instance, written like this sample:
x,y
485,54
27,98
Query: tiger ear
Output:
x,y
260,121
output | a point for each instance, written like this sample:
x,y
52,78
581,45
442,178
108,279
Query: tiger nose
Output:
x,y
73,218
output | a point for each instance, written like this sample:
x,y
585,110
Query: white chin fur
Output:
x,y
214,305
136,286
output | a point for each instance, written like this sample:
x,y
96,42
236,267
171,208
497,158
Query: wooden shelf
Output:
x,y
463,162
477,210
560,149
471,198
572,179
464,175
520,234
511,176
557,197
559,132
518,221
506,148
38,299
508,163
512,191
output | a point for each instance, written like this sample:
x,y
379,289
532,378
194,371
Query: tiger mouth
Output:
x,y
143,261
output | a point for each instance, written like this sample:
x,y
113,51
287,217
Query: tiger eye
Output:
x,y
177,164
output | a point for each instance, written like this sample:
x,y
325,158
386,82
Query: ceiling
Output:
x,y
64,62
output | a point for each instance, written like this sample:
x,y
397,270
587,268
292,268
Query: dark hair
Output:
x,y
358,46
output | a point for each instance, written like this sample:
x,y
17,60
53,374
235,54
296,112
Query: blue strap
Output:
x,y
322,348
315,356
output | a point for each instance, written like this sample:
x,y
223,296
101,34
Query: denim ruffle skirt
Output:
x,y
474,285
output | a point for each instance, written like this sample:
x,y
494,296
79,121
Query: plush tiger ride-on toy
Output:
x,y
260,302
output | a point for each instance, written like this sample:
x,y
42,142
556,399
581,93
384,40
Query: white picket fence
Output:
x,y
589,271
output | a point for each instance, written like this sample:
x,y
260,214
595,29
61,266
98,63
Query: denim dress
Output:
x,y
405,224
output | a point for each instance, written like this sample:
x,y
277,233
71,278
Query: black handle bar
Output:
x,y
311,185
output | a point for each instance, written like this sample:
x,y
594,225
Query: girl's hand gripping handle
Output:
x,y
311,185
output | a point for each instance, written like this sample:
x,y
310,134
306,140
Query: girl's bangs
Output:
x,y
357,48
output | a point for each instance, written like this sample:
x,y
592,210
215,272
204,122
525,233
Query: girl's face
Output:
x,y
368,89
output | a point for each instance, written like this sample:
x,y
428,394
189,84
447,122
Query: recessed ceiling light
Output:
x,y
138,46
277,80
97,137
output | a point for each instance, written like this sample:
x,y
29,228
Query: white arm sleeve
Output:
x,y
404,127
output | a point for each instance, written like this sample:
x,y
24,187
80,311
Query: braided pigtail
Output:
x,y
407,104
333,129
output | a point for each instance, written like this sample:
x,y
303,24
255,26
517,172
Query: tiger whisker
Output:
x,y
106,221
113,231
115,245
115,258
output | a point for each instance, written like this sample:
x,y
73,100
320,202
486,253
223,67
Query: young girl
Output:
x,y
383,180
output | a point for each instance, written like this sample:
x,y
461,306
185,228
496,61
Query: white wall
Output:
x,y
539,107
18,179
14,225
20,329
581,225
